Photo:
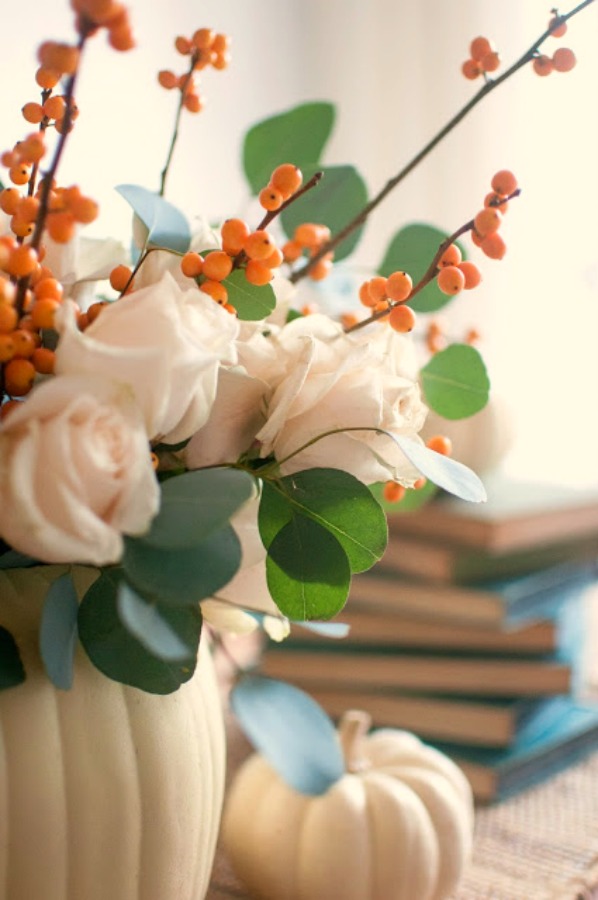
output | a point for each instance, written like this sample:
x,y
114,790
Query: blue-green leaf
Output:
x,y
196,504
119,655
183,577
338,198
307,571
58,631
11,667
455,382
12,559
296,136
412,249
337,501
290,731
148,622
445,472
336,630
252,302
166,225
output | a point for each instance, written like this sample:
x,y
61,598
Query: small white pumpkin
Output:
x,y
398,825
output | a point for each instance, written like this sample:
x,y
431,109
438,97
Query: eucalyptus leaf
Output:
x,y
290,731
338,198
148,622
183,577
196,504
455,382
339,502
58,631
307,571
252,302
335,630
166,225
445,472
412,249
11,667
297,135
12,559
118,654
275,511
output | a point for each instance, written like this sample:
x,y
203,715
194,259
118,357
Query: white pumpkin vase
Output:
x,y
397,825
106,792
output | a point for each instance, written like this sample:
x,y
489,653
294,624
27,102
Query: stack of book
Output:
x,y
471,632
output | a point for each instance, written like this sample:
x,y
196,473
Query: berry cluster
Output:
x,y
487,222
284,182
483,59
206,48
67,207
456,274
308,239
563,59
109,14
388,295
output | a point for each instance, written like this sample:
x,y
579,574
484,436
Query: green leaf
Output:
x,y
291,731
252,302
12,559
307,571
455,382
338,198
166,225
196,504
445,472
275,511
338,502
412,249
119,655
183,577
58,631
296,136
11,667
148,622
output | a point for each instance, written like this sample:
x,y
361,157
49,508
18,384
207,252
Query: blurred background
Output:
x,y
393,69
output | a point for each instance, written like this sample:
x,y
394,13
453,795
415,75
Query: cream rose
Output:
x,y
335,382
75,472
165,343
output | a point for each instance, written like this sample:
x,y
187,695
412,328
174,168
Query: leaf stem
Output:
x,y
392,183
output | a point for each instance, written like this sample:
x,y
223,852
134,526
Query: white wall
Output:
x,y
393,67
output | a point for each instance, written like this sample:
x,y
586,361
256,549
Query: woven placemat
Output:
x,y
541,844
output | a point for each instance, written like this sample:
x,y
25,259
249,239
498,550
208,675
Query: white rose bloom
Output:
x,y
165,343
75,472
336,382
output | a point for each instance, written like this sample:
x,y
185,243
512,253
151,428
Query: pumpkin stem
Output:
x,y
352,729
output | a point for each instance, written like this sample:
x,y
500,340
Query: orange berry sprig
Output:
x,y
486,88
563,59
204,48
483,59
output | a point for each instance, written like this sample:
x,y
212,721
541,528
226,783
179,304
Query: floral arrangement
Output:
x,y
173,419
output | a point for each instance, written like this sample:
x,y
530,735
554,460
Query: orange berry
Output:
x,y
217,265
493,246
320,270
216,290
62,58
229,308
559,28
234,234
203,38
398,286
54,107
487,221
43,311
120,37
287,178
504,182
259,245
494,199
27,208
85,210
377,288
471,69
440,444
292,251
479,48
19,174
44,360
475,237
402,318
450,257
33,112
19,375
221,61
7,347
8,318
471,273
490,62
167,79
25,342
192,264
310,234
450,280
120,277
542,65
33,148
221,43
393,492
472,336
275,259
9,201
48,287
563,59
20,227
22,260
420,483
61,227
365,297
258,272
270,198
348,320
7,291
193,103
46,78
